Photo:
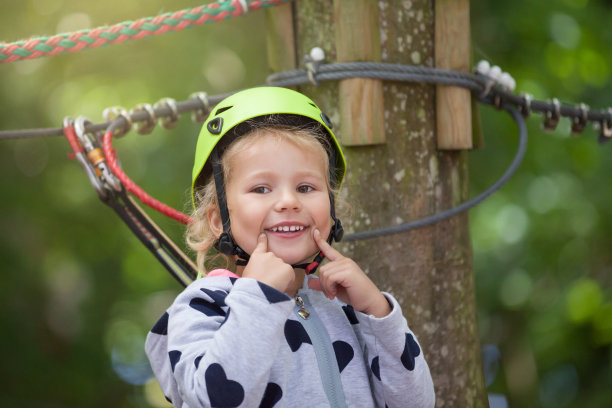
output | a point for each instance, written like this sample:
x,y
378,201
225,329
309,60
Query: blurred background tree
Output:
x,y
79,292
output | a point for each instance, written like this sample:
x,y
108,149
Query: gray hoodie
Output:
x,y
228,342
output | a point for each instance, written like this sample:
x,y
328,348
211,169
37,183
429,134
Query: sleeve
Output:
x,y
224,358
401,377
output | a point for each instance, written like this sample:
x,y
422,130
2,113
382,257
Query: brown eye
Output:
x,y
305,189
260,190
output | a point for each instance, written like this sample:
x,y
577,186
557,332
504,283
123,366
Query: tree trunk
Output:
x,y
405,178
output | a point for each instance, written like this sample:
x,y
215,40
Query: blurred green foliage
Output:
x,y
79,292
542,259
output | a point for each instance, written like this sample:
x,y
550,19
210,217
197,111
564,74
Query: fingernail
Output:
x,y
262,235
316,231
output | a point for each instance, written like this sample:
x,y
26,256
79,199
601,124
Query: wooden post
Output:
x,y
361,99
452,51
428,270
280,38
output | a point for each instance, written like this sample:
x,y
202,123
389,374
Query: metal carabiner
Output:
x,y
89,169
95,154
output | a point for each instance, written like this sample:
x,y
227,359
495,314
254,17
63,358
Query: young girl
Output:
x,y
266,172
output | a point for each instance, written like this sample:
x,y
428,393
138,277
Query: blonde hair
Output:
x,y
199,235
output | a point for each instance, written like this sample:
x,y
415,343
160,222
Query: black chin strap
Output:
x,y
225,244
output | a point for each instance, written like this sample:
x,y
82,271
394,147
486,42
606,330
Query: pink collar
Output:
x,y
222,272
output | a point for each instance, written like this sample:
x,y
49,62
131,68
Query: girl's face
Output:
x,y
280,190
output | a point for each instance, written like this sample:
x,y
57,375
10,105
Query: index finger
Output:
x,y
262,243
327,249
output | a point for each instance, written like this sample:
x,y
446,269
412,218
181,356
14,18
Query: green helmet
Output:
x,y
227,121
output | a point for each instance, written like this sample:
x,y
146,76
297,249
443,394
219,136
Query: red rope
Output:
x,y
72,139
146,199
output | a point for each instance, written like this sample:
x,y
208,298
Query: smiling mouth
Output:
x,y
288,228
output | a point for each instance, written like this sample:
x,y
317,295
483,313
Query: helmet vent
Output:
x,y
221,110
312,104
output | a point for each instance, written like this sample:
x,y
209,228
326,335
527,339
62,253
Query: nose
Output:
x,y
288,200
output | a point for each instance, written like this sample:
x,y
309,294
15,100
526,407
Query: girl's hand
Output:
x,y
267,268
341,277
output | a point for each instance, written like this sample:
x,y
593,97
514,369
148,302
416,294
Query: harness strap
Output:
x,y
159,244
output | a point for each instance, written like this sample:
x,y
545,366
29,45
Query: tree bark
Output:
x,y
428,270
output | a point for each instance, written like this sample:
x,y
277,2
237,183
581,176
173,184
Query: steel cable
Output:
x,y
393,72
518,158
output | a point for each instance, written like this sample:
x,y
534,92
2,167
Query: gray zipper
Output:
x,y
324,351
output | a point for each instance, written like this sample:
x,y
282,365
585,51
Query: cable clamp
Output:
x,y
605,131
551,118
114,112
493,74
168,121
580,122
490,84
507,82
525,107
498,100
199,115
147,124
483,67
312,62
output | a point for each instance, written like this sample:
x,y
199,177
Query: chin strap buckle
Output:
x,y
312,267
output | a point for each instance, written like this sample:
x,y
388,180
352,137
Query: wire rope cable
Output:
x,y
478,84
380,70
422,222
190,105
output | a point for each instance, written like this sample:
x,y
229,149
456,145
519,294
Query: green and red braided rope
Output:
x,y
129,30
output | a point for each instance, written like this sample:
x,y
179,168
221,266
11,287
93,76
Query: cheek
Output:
x,y
328,225
323,219
245,225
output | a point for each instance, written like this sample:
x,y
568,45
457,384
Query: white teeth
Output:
x,y
287,228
